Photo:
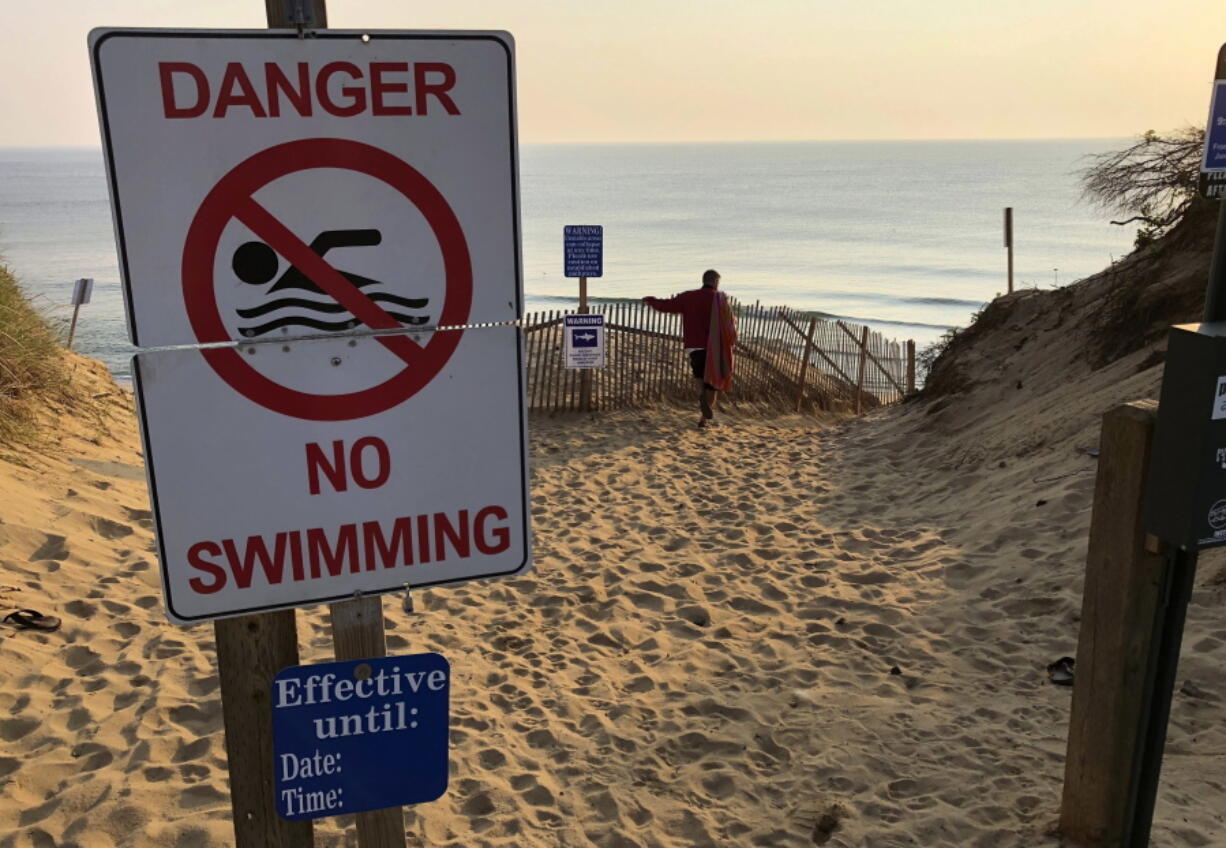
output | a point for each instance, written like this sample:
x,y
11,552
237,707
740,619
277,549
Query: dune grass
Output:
x,y
33,370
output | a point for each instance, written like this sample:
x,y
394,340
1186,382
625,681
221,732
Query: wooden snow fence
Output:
x,y
785,360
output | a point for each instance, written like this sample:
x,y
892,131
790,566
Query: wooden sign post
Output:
x,y
1120,601
252,649
357,634
583,257
585,375
1009,242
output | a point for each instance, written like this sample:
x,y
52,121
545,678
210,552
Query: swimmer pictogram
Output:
x,y
256,263
233,198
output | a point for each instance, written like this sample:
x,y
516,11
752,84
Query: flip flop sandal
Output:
x,y
28,619
1061,671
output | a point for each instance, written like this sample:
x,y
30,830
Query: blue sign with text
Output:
x,y
583,249
1215,133
362,735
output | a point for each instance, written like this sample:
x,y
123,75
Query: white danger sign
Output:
x,y
270,190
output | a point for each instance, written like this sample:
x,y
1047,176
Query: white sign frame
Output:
x,y
584,357
229,429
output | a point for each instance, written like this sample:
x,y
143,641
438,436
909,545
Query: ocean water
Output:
x,y
904,236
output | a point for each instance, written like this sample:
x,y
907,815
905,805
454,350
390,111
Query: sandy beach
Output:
x,y
395,296
782,631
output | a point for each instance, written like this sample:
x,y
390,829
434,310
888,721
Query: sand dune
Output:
x,y
779,632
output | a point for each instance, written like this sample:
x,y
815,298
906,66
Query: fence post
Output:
x,y
804,365
585,374
860,377
1009,243
1119,605
910,367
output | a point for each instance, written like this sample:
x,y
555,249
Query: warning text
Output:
x,y
340,89
319,554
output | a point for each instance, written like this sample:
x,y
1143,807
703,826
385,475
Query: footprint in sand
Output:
x,y
53,548
197,720
202,687
143,517
157,774
93,756
39,813
79,717
108,529
80,609
192,750
83,660
202,795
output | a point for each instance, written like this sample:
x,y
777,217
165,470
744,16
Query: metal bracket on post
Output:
x,y
300,14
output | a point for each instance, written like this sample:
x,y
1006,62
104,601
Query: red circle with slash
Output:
x,y
233,198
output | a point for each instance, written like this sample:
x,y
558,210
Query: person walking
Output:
x,y
708,332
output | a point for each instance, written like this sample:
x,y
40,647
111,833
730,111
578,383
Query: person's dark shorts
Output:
x,y
698,364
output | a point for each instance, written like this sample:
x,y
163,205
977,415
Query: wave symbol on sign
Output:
x,y
256,263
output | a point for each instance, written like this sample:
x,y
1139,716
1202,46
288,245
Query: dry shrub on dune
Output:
x,y
32,365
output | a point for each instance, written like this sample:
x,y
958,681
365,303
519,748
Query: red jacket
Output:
x,y
694,307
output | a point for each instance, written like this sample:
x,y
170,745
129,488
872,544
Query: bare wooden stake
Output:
x,y
1009,243
910,368
860,377
804,365
1121,596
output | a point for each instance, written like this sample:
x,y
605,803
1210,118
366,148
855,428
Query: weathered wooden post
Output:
x,y
863,342
251,649
1009,242
585,375
910,367
583,257
1119,604
804,362
358,634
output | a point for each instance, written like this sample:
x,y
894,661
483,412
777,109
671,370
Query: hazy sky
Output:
x,y
725,70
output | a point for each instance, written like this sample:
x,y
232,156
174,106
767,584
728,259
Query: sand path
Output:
x,y
774,633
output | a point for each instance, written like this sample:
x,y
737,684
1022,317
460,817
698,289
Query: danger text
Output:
x,y
340,89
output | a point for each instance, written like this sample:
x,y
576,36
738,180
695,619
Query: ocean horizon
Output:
x,y
905,236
